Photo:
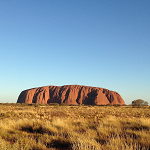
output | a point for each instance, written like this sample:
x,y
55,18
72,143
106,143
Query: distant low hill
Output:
x,y
70,94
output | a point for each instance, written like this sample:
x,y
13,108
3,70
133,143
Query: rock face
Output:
x,y
70,94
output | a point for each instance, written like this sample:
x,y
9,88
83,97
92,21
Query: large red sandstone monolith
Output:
x,y
70,94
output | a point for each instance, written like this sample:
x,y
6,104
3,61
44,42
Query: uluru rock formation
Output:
x,y
70,94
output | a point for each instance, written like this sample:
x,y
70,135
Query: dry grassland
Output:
x,y
43,127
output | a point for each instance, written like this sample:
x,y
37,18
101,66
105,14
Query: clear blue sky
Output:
x,y
102,43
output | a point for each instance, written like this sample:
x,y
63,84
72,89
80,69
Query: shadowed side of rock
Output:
x,y
70,94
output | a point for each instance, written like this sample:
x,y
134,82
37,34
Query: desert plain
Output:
x,y
68,127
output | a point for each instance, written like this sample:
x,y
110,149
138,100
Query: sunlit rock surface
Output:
x,y
70,94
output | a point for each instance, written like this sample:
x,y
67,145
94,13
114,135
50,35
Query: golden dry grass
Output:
x,y
43,127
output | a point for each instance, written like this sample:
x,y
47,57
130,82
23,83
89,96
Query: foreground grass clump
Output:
x,y
41,127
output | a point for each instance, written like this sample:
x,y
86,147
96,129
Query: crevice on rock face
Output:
x,y
78,100
70,94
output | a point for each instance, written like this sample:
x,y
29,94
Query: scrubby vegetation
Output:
x,y
139,102
41,127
